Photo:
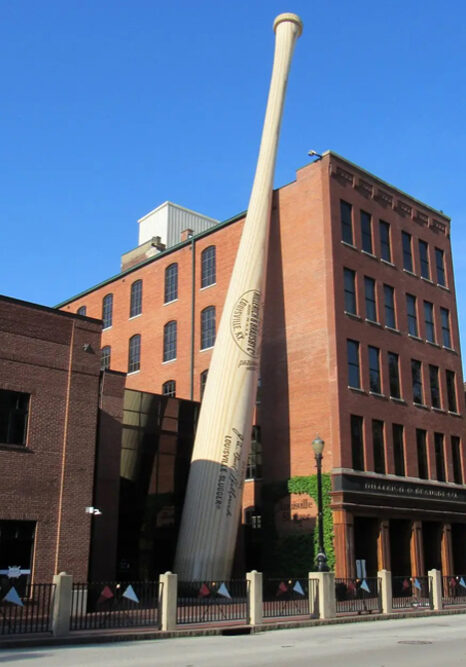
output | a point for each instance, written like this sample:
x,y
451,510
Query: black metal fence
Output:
x,y
454,589
207,601
411,593
114,605
290,597
358,595
29,610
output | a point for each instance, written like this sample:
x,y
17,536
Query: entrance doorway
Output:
x,y
458,542
400,538
431,543
366,531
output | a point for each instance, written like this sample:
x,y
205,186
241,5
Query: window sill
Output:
x,y
207,286
167,303
433,343
421,406
133,317
419,340
358,390
376,394
410,273
106,328
392,330
5,447
206,349
427,280
447,289
373,323
133,372
449,349
454,414
370,254
348,245
253,479
168,361
439,410
395,399
353,315
385,261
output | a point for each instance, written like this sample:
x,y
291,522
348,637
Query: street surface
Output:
x,y
438,641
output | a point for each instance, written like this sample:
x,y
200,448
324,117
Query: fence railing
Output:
x,y
357,595
26,611
114,605
290,597
207,601
454,589
411,592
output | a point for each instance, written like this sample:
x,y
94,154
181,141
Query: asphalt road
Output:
x,y
438,641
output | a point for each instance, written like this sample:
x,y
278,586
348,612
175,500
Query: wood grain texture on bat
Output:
x,y
209,525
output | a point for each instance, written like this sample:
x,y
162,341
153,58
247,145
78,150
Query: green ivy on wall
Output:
x,y
308,485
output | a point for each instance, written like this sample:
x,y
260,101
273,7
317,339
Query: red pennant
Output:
x,y
282,588
453,582
204,591
406,584
106,594
351,587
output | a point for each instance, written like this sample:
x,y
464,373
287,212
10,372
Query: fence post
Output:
x,y
435,589
255,610
386,592
61,613
168,598
326,595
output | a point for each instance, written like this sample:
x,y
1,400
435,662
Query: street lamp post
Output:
x,y
318,447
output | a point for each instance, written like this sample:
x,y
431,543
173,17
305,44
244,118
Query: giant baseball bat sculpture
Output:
x,y
209,524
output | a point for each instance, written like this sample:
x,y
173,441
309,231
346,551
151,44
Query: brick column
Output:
x,y
383,546
343,526
416,551
448,566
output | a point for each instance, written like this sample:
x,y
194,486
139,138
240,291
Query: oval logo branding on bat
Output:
x,y
245,322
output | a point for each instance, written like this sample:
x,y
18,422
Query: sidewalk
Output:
x,y
227,628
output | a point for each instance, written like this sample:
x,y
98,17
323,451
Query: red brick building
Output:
x,y
360,345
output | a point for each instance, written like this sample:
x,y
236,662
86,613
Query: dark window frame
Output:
x,y
170,336
353,364
434,386
421,448
429,321
106,357
411,313
370,299
416,378
14,417
82,310
399,449
385,241
446,330
452,402
208,266
349,290
439,444
407,252
346,217
367,243
424,259
169,388
389,306
134,353
378,445
456,459
135,301
393,360
375,379
208,327
107,311
357,441
440,267
171,283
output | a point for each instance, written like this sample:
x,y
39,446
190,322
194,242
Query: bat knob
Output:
x,y
294,18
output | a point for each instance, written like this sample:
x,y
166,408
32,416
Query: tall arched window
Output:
x,y
207,327
82,310
208,271
254,465
105,357
202,383
171,283
169,341
134,353
135,307
169,388
107,310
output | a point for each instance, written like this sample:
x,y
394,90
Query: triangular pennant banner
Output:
x,y
13,597
452,582
282,588
106,594
298,588
417,584
365,586
204,591
406,584
462,582
351,587
223,590
130,594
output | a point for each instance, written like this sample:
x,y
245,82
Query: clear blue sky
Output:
x,y
110,107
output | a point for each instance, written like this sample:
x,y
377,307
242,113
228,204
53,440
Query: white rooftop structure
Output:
x,y
168,220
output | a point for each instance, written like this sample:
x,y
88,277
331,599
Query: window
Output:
x,y
202,383
424,259
169,341
412,314
171,283
385,247
371,305
440,265
134,353
135,306
82,310
439,456
378,446
253,518
389,302
207,327
350,291
407,255
208,271
354,379
254,464
416,375
374,369
445,320
105,357
169,388
14,409
434,386
398,449
456,456
421,446
357,443
451,391
366,232
107,308
346,222
429,321
394,375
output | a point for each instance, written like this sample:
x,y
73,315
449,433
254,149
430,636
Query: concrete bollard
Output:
x,y
326,594
255,607
385,579
61,612
168,598
435,589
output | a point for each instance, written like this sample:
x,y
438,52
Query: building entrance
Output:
x,y
431,544
366,531
458,542
400,539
